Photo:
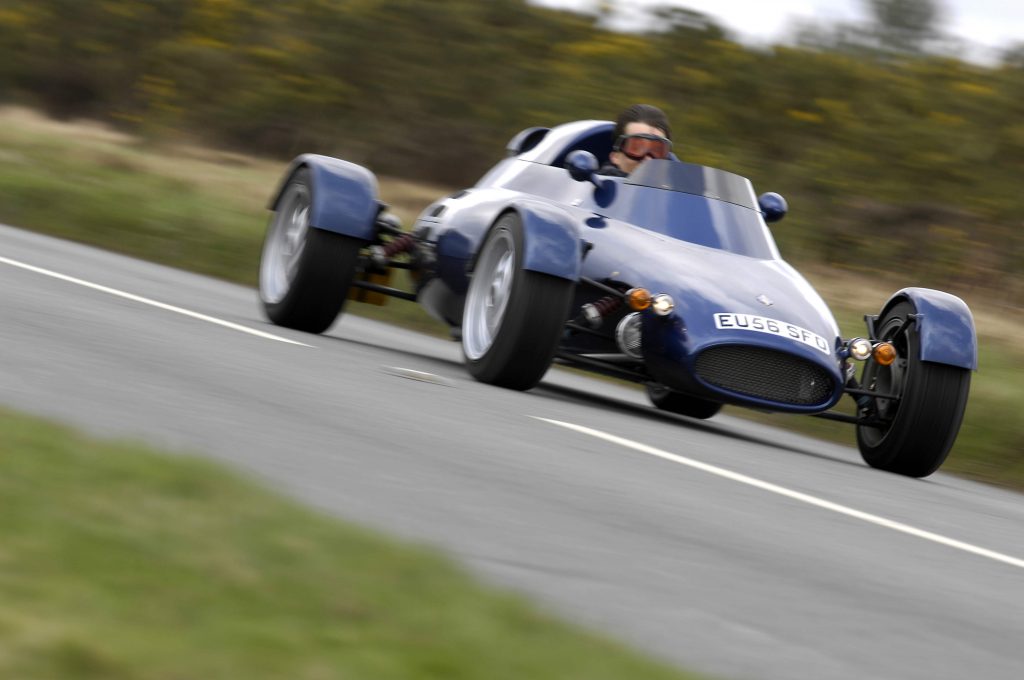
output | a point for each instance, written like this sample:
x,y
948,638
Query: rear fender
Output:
x,y
343,195
945,326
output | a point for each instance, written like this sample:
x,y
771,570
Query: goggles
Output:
x,y
641,146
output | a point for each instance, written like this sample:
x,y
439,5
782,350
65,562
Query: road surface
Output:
x,y
728,547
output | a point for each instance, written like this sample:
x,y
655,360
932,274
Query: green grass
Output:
x,y
205,211
183,206
108,191
118,562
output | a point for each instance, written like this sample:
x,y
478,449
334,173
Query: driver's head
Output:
x,y
641,132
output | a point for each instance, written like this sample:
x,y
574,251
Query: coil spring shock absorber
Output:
x,y
594,312
381,255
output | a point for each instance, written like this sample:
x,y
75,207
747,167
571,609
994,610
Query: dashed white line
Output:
x,y
795,495
420,376
147,301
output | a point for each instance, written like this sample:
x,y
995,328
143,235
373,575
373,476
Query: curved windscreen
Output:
x,y
695,218
693,179
693,203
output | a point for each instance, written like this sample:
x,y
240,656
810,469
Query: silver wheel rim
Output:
x,y
488,295
285,244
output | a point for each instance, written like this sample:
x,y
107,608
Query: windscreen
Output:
x,y
693,179
694,203
695,218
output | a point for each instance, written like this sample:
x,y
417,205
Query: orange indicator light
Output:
x,y
884,353
638,299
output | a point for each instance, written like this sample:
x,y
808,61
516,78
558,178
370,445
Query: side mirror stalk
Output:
x,y
582,167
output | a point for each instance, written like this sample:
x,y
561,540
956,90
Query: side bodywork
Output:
x,y
633,232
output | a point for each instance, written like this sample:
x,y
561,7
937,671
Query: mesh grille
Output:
x,y
766,374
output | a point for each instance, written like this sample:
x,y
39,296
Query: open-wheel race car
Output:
x,y
668,277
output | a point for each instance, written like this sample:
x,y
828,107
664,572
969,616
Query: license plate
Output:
x,y
762,324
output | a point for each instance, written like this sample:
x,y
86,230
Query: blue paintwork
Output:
x,y
344,195
696,233
773,206
945,326
552,240
704,281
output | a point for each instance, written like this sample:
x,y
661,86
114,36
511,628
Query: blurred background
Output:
x,y
883,130
159,128
898,142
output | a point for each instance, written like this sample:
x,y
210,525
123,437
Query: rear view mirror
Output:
x,y
582,165
773,206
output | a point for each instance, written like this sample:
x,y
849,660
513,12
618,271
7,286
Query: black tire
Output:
x,y
305,273
920,428
682,404
513,318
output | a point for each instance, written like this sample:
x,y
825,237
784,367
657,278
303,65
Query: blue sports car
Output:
x,y
668,277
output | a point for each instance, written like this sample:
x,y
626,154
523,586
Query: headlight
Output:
x,y
662,304
860,349
627,335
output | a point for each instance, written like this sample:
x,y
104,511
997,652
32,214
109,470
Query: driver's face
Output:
x,y
624,162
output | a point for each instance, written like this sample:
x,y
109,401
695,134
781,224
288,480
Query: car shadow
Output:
x,y
402,351
561,392
549,390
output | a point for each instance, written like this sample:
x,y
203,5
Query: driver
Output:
x,y
641,132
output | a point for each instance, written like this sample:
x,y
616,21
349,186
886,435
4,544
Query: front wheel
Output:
x,y
305,273
913,432
513,318
676,402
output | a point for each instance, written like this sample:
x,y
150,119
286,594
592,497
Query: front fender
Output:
x,y
945,326
343,195
552,241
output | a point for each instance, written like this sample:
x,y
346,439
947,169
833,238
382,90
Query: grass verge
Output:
x,y
118,562
204,210
179,205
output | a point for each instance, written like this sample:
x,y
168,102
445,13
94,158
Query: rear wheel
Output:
x,y
513,317
305,273
682,404
915,430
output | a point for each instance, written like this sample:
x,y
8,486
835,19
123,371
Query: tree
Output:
x,y
906,26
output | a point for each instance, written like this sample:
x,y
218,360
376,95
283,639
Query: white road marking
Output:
x,y
795,495
421,376
153,303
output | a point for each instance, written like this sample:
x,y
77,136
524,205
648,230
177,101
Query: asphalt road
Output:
x,y
731,548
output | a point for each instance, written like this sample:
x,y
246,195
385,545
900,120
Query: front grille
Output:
x,y
765,374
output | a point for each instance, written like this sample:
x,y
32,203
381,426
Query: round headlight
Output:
x,y
662,304
627,335
860,349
